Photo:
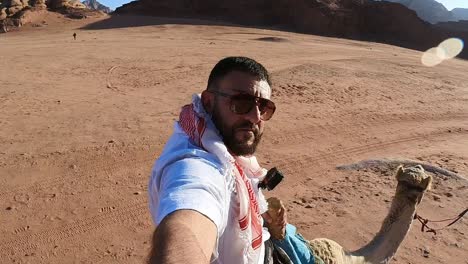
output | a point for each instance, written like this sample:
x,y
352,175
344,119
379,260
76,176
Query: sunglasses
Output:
x,y
242,104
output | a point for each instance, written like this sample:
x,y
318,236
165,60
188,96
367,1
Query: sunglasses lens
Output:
x,y
267,108
242,104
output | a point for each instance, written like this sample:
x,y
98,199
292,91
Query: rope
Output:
x,y
425,221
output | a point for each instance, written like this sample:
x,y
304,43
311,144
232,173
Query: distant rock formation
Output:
x,y
433,11
57,4
95,5
16,13
326,17
12,7
429,10
460,13
461,26
3,13
38,4
396,24
358,19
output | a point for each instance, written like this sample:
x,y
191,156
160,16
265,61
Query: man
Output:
x,y
204,195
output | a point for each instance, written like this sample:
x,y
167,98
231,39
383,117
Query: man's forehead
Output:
x,y
245,83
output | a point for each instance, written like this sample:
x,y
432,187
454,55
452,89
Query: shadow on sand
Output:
x,y
127,21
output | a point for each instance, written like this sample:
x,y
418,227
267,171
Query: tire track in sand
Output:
x,y
316,130
133,211
309,132
22,243
123,211
108,168
290,164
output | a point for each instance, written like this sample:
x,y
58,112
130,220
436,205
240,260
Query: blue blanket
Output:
x,y
295,246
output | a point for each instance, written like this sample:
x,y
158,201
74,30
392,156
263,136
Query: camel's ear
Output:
x,y
399,171
427,183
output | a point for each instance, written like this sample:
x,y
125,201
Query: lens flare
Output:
x,y
452,47
433,57
448,49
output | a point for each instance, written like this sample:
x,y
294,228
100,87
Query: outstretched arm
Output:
x,y
184,236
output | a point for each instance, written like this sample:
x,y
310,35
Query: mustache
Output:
x,y
255,129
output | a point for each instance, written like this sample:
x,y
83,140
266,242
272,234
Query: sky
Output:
x,y
449,4
113,4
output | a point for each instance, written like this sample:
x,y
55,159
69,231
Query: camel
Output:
x,y
412,183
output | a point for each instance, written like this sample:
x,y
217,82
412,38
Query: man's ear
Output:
x,y
207,101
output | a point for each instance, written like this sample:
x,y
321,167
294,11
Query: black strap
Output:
x,y
275,255
458,217
425,221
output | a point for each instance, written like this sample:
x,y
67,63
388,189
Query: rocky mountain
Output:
x,y
461,26
15,13
95,5
429,10
357,19
56,4
11,7
460,13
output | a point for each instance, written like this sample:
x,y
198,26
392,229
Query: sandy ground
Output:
x,y
82,122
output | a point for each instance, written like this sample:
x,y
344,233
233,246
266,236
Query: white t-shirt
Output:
x,y
187,177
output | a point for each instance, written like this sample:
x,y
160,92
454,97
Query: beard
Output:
x,y
239,146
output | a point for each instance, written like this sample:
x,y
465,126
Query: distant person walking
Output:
x,y
74,35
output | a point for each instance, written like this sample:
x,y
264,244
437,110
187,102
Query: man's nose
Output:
x,y
254,115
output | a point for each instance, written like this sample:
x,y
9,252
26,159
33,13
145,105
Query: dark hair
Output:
x,y
242,64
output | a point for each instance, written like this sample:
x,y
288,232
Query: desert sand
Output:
x,y
83,121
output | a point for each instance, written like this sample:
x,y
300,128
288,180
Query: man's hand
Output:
x,y
276,218
280,219
184,236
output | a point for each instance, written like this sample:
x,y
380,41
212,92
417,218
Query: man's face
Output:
x,y
241,132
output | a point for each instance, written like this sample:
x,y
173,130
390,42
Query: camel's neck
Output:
x,y
394,229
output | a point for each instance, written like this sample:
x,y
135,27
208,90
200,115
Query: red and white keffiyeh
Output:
x,y
197,124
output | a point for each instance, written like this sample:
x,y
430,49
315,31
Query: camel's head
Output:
x,y
413,180
275,207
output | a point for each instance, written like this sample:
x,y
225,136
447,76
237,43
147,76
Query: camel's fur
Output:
x,y
412,183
